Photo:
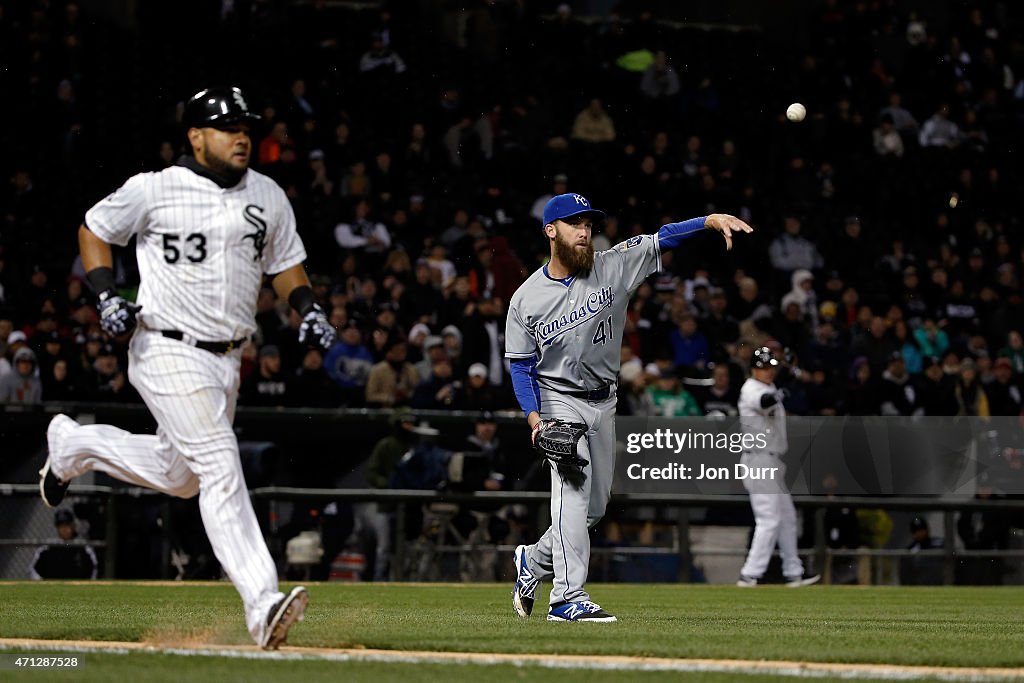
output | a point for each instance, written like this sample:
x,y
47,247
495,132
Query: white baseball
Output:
x,y
796,112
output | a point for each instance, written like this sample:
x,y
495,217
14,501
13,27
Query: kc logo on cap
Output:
x,y
567,205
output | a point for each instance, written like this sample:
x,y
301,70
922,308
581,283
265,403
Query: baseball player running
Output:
x,y
761,411
563,337
207,230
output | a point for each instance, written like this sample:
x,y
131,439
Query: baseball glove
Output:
x,y
558,441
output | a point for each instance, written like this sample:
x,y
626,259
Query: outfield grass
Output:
x,y
925,626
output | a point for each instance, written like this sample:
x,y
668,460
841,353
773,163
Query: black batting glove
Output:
x,y
118,316
316,330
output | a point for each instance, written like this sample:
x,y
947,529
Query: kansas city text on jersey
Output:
x,y
547,332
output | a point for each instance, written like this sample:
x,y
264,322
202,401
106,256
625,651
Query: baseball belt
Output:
x,y
218,347
593,395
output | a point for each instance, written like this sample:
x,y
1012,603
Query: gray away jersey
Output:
x,y
202,249
574,328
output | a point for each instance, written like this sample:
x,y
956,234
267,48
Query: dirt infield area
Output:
x,y
588,662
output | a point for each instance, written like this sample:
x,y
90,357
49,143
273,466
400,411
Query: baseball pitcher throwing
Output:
x,y
563,337
207,230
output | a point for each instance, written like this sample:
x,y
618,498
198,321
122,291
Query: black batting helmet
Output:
x,y
763,358
217,107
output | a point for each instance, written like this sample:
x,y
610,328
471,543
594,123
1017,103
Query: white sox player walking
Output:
x,y
207,230
762,412
563,338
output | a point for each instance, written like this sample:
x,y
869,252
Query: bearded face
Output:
x,y
573,247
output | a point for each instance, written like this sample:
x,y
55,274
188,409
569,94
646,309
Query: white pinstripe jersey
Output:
x,y
202,249
768,421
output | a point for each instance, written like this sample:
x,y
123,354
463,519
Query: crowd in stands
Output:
x,y
418,149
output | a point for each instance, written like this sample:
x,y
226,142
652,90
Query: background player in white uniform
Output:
x,y
762,411
563,337
207,230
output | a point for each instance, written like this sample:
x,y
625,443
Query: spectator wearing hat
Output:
x,y
1003,391
393,380
380,467
897,391
105,381
722,397
970,396
51,351
440,391
22,384
433,352
312,386
70,558
268,385
670,399
477,391
348,363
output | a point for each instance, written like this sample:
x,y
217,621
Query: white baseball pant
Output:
x,y
774,520
192,394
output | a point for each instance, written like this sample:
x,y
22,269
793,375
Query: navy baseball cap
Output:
x,y
566,205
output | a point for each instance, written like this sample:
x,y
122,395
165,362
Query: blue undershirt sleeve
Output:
x,y
671,234
524,383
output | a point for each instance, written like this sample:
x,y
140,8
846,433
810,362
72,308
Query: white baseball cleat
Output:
x,y
805,580
52,489
525,590
580,611
283,615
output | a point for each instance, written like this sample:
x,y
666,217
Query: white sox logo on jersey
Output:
x,y
548,331
259,237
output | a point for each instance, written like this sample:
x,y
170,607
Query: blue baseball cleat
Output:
x,y
525,590
580,611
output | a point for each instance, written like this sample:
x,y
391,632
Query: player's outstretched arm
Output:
x,y
671,234
293,285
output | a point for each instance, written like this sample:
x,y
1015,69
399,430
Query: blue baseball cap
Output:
x,y
566,205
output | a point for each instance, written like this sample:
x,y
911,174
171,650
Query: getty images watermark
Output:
x,y
961,457
668,440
